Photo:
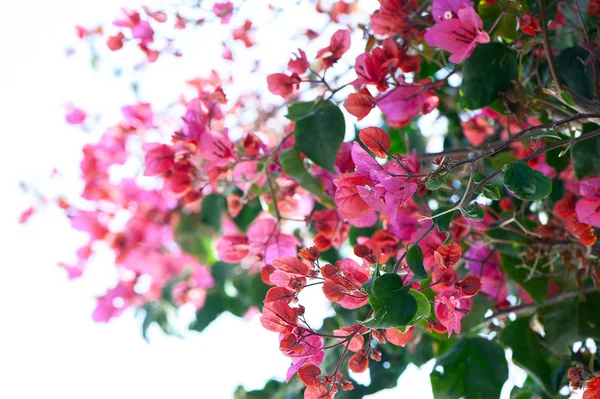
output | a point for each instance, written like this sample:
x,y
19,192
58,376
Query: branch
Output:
x,y
532,306
536,154
547,46
520,133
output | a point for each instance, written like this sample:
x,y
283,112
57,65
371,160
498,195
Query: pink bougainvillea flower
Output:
x,y
357,342
115,42
590,187
529,24
398,337
347,197
243,34
402,104
458,36
114,302
447,9
364,162
26,214
278,316
282,84
159,159
451,306
233,248
588,211
224,11
300,64
75,116
140,29
343,282
393,17
338,45
139,116
592,389
89,221
360,104
267,241
476,130
311,353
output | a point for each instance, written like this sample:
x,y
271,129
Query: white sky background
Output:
x,y
49,345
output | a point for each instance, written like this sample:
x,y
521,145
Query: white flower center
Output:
x,y
448,15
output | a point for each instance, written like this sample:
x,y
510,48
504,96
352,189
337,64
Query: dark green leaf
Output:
x,y
560,325
487,73
434,184
588,316
528,351
585,157
297,111
473,212
320,133
294,167
491,192
552,158
213,206
213,307
414,259
573,73
393,305
195,237
529,390
474,368
368,285
423,307
537,287
443,222
250,211
526,183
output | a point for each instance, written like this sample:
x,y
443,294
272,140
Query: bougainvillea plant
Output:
x,y
432,168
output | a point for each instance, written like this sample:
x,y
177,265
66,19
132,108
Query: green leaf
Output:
x,y
474,368
367,287
393,305
297,111
443,222
250,211
486,73
213,206
195,237
423,307
474,320
473,212
414,259
506,26
319,134
560,325
529,390
537,287
434,184
528,351
588,316
552,157
572,320
213,307
294,167
526,183
573,73
585,157
489,190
